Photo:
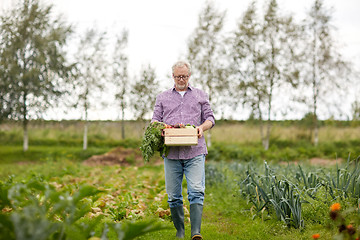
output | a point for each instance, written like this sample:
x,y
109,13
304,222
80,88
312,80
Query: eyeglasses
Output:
x,y
185,77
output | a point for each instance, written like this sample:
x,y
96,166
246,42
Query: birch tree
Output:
x,y
33,61
120,76
246,64
265,61
91,73
144,92
279,37
325,70
205,56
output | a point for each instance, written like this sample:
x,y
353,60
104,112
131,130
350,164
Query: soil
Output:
x,y
317,162
325,162
132,157
120,156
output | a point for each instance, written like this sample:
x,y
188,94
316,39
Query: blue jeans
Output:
x,y
194,170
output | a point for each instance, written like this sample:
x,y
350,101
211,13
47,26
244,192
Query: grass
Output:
x,y
244,133
226,132
231,140
226,214
9,154
55,154
72,130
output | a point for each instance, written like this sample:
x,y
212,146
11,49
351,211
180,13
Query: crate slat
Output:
x,y
181,136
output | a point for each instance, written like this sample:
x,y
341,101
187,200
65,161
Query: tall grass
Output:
x,y
226,132
248,133
232,140
72,130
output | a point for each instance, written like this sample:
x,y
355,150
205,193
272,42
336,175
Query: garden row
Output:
x,y
72,201
294,194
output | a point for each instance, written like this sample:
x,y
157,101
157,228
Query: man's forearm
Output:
x,y
206,125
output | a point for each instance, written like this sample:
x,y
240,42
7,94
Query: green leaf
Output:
x,y
130,230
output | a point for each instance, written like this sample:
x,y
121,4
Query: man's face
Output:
x,y
181,78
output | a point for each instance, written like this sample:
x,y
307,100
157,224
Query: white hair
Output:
x,y
180,64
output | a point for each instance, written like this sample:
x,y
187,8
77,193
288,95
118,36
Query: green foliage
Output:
x,y
153,141
36,210
311,181
280,194
345,182
32,58
282,150
9,154
120,77
139,191
144,91
284,191
328,70
205,53
133,230
118,213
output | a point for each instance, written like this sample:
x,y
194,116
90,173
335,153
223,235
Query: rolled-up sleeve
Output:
x,y
206,112
158,111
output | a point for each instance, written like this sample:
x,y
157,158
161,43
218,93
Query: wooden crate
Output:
x,y
180,136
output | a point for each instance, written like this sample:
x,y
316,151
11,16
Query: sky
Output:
x,y
159,29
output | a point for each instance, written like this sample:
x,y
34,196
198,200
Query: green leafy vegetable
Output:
x,y
153,141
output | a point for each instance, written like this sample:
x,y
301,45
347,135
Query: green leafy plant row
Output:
x,y
283,191
34,209
289,152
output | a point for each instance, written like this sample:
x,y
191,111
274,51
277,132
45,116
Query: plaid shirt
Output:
x,y
193,108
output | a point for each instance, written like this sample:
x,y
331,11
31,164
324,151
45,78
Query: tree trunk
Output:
x,y
268,125
25,137
316,135
315,92
122,122
85,143
263,140
271,86
25,125
85,136
315,124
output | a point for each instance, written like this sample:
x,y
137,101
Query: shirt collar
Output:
x,y
189,87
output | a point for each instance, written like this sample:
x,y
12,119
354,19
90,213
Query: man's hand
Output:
x,y
200,131
203,127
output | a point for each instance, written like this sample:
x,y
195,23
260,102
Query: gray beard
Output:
x,y
181,87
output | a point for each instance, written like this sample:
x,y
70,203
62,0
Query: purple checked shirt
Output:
x,y
193,108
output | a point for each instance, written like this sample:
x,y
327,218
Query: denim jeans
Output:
x,y
194,170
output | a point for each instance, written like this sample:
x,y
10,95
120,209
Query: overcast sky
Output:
x,y
159,29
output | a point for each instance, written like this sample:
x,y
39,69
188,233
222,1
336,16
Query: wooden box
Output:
x,y
180,136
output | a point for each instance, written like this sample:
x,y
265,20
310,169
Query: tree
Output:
x,y
205,56
120,75
91,72
265,61
325,71
144,92
6,93
246,64
280,37
33,61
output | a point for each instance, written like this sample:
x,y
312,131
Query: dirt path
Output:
x,y
120,156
